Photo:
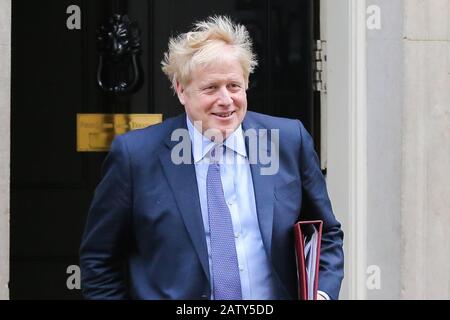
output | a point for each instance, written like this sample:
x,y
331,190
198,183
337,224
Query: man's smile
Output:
x,y
223,115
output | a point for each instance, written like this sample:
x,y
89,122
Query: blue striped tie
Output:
x,y
226,280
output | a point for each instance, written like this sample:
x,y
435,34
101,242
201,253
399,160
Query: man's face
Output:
x,y
216,95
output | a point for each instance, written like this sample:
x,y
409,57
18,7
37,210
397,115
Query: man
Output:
x,y
209,216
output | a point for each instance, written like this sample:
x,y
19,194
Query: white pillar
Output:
x,y
343,27
384,145
5,80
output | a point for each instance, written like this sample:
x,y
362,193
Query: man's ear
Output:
x,y
181,93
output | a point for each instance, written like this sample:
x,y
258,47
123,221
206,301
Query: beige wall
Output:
x,y
425,236
5,79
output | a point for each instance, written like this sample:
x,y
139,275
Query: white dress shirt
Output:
x,y
255,271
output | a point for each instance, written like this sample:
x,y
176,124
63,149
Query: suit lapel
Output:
x,y
183,182
263,185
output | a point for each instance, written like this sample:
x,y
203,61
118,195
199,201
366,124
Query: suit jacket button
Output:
x,y
204,296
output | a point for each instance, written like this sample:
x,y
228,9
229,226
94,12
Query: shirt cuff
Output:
x,y
323,294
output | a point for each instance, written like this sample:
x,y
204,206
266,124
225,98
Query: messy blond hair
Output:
x,y
205,44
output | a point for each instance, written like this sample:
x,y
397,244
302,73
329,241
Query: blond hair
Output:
x,y
205,44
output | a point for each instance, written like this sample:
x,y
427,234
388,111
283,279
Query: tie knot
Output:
x,y
215,154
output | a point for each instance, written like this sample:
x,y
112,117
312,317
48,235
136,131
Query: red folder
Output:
x,y
308,236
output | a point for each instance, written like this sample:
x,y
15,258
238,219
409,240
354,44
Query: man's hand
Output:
x,y
320,297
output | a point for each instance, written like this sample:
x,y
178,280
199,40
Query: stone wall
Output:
x,y
425,214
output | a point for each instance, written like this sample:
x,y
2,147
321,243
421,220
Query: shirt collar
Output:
x,y
201,145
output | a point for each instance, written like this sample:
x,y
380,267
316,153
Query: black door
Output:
x,y
54,71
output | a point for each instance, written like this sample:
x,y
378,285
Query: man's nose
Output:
x,y
225,96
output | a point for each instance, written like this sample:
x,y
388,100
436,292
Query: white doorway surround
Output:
x,y
344,131
5,80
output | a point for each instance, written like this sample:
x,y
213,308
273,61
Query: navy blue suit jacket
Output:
x,y
144,237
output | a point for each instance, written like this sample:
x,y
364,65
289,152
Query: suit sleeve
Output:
x,y
331,271
106,238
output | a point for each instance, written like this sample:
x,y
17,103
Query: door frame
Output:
x,y
5,119
344,132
